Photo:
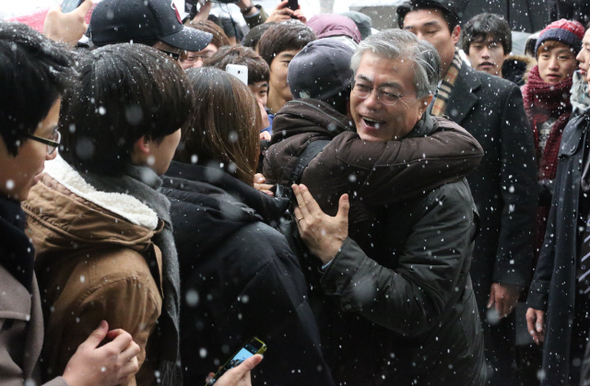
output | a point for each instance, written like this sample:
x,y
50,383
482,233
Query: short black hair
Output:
x,y
34,73
253,36
480,27
446,7
285,36
258,70
125,91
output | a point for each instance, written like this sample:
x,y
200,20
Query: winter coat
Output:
x,y
21,319
95,260
553,288
504,186
239,279
390,308
375,173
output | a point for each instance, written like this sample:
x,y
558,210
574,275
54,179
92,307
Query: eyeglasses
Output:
x,y
384,95
173,55
52,143
192,57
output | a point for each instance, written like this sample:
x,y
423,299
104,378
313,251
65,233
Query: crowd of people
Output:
x,y
398,207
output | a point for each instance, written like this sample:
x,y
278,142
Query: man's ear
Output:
x,y
456,34
141,150
424,102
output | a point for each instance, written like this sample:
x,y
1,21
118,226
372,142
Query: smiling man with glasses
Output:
x,y
393,293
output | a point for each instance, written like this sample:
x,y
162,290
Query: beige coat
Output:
x,y
21,333
93,264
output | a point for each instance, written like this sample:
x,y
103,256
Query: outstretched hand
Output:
x,y
322,233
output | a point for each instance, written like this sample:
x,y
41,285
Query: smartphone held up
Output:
x,y
250,348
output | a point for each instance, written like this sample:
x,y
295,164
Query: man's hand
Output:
x,y
204,11
280,13
110,364
535,322
504,297
323,234
66,27
244,4
259,184
239,375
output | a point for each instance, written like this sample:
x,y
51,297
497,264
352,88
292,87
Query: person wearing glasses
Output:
x,y
398,305
29,112
155,23
102,235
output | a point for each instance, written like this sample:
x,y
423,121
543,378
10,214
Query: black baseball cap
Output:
x,y
121,21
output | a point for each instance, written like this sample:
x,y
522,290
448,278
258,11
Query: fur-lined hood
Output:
x,y
517,67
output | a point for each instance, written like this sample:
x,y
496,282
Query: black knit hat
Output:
x,y
321,70
121,21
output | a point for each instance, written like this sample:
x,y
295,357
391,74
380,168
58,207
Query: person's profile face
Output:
x,y
584,58
19,174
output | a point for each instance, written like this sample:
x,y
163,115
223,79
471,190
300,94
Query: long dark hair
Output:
x,y
226,124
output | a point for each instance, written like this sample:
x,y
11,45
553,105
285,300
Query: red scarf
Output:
x,y
541,101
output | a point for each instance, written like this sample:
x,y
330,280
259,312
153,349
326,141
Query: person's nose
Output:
x,y
485,53
553,63
372,100
198,62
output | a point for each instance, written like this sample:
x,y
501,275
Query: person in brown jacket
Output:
x,y
28,137
102,232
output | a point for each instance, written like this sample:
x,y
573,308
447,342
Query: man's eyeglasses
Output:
x,y
385,96
52,143
173,55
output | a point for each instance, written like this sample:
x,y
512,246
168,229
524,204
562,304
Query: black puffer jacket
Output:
x,y
239,279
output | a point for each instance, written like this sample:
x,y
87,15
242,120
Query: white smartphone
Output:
x,y
239,71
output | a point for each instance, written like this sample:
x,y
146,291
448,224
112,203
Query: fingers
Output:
x,y
259,178
122,341
97,335
129,368
303,211
310,203
492,299
535,324
83,9
540,323
343,207
282,4
251,362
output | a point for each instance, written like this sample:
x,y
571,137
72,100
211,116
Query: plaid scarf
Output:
x,y
444,90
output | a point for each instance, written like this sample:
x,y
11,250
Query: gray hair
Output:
x,y
397,43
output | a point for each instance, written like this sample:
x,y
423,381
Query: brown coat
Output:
x,y
92,264
24,336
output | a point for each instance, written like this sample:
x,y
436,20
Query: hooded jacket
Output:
x,y
94,260
239,279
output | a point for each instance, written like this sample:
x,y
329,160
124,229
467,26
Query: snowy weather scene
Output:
x,y
295,192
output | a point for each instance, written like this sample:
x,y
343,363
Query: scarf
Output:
x,y
17,254
541,101
142,183
439,105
